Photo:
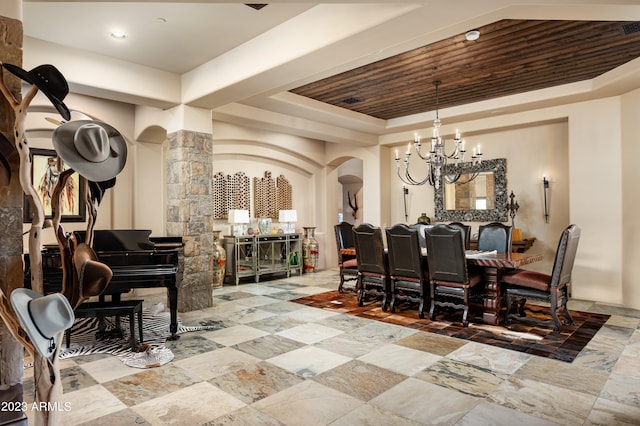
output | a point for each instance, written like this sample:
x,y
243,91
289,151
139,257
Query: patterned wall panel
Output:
x,y
264,196
234,192
230,192
284,199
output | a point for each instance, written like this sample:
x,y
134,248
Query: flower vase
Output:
x,y
219,260
309,249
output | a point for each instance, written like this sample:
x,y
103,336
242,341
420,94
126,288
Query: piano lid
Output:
x,y
118,239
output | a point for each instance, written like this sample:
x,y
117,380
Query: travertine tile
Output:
x,y
491,414
308,361
360,380
233,335
622,389
553,403
309,333
88,404
191,405
400,359
150,383
108,368
425,403
256,382
497,359
462,377
216,363
610,413
307,403
562,374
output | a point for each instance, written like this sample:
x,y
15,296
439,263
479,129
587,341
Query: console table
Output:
x,y
257,255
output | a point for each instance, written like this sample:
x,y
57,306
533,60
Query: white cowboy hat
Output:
x,y
96,150
42,317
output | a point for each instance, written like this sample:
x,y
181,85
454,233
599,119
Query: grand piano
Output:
x,y
136,259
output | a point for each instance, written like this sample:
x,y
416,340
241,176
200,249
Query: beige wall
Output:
x,y
630,229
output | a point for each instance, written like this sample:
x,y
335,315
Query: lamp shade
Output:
x,y
287,216
238,216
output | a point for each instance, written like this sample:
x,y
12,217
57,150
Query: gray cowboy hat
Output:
x,y
43,318
49,80
96,150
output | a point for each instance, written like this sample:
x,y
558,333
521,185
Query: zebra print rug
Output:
x,y
151,353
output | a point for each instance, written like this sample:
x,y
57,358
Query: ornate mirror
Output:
x,y
473,192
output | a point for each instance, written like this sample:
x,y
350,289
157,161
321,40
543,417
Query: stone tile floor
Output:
x,y
275,362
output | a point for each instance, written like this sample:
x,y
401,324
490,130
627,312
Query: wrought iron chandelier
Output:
x,y
437,157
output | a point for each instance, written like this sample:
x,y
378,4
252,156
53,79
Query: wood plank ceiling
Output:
x,y
510,57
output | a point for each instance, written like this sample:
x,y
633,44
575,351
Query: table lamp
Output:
x,y
289,219
238,220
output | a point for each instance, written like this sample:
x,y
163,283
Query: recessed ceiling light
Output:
x,y
472,35
161,20
118,35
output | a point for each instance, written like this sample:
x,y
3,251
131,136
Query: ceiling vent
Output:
x,y
256,6
351,101
631,28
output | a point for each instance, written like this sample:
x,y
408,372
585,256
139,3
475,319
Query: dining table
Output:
x,y
494,264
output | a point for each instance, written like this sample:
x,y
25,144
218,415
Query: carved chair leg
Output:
x,y
554,308
565,310
465,321
432,309
360,290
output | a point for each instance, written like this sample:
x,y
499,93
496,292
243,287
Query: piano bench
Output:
x,y
117,309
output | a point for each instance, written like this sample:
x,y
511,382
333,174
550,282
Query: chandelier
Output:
x,y
437,157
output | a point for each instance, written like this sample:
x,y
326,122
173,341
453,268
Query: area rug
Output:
x,y
151,353
534,340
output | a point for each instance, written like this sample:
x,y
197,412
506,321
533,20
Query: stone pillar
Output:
x,y
190,214
11,269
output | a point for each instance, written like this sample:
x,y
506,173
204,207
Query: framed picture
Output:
x,y
45,172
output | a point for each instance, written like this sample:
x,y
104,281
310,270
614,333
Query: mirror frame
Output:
x,y
499,168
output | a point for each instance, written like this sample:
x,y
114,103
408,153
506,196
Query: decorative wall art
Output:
x,y
232,192
46,167
270,196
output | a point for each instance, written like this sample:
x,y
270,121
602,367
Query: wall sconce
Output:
x,y
545,185
405,192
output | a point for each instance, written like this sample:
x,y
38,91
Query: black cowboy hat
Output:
x,y
49,80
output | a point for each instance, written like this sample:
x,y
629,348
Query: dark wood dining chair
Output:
x,y
373,267
495,236
450,281
407,267
347,263
523,284
466,232
421,227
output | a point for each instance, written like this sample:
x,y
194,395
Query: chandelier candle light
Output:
x,y
437,157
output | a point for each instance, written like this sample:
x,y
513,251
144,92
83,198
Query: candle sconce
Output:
x,y
512,208
545,185
405,192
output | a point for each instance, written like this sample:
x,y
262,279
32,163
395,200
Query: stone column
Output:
x,y
11,269
190,214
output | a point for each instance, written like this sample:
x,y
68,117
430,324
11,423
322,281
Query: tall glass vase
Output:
x,y
219,260
310,249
